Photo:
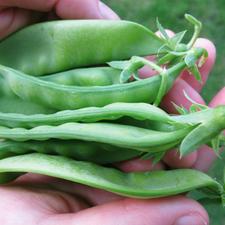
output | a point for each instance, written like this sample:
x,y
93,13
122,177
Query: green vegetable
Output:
x,y
116,134
52,47
80,150
140,184
117,124
16,105
114,111
93,76
59,96
166,131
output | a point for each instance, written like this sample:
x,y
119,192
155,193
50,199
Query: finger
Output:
x,y
206,68
173,160
12,19
139,165
92,196
219,99
176,95
206,156
80,9
16,14
166,211
31,205
67,9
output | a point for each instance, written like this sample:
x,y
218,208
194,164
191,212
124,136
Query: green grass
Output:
x,y
171,15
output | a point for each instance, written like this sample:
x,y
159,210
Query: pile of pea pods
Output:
x,y
72,104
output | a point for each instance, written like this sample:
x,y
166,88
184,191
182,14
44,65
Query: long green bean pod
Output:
x,y
139,185
114,111
191,130
116,134
62,45
79,150
58,96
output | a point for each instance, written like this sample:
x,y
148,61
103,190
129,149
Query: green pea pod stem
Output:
x,y
193,119
199,136
115,134
196,117
92,76
206,131
62,45
68,97
79,150
140,111
152,184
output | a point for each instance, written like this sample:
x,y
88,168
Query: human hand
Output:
x,y
15,14
34,199
119,211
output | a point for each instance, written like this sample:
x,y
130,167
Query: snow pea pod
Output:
x,y
114,111
79,150
140,185
115,134
67,97
52,47
93,76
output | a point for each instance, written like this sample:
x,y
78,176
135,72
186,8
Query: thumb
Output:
x,y
167,211
80,9
17,14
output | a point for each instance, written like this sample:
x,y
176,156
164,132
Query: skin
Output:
x,y
70,203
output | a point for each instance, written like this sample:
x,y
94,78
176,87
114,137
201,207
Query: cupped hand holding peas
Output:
x,y
35,199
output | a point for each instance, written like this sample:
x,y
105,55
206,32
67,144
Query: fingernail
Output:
x,y
191,219
107,13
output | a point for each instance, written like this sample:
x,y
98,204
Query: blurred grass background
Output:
x,y
171,15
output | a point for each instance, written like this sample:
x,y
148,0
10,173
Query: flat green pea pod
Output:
x,y
52,47
152,184
115,134
79,150
61,97
114,111
93,76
